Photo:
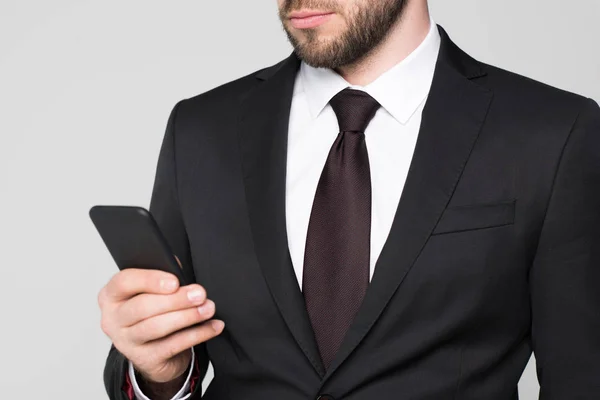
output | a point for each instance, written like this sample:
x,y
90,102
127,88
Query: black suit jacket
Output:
x,y
494,250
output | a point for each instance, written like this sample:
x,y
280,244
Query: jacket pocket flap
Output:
x,y
477,216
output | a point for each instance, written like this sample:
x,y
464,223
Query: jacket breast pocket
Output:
x,y
476,216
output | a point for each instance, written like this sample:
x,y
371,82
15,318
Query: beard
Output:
x,y
368,24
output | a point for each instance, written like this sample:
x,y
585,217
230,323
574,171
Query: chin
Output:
x,y
318,47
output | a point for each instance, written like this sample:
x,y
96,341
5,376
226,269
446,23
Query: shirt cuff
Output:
x,y
182,394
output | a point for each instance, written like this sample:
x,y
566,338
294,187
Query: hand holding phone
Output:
x,y
150,317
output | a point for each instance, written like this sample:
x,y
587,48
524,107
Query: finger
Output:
x,y
163,325
130,282
144,306
183,340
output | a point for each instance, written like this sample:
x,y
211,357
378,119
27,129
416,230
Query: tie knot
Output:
x,y
354,109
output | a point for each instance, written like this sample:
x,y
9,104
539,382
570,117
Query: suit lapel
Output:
x,y
263,133
452,118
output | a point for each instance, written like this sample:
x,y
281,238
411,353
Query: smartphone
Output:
x,y
134,239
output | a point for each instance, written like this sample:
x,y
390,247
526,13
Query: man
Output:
x,y
378,216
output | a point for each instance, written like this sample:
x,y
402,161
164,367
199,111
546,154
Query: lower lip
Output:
x,y
310,22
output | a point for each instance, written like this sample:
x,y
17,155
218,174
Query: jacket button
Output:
x,y
325,397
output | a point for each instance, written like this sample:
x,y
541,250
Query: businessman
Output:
x,y
377,216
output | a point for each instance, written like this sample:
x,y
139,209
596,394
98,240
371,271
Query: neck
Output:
x,y
404,37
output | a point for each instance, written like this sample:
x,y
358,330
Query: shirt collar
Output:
x,y
400,90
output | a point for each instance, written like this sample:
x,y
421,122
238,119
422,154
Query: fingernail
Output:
x,y
217,325
195,295
206,308
168,284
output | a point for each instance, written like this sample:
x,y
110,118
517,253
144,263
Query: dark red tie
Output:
x,y
336,260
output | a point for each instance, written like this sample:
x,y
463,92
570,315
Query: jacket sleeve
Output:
x,y
565,274
165,208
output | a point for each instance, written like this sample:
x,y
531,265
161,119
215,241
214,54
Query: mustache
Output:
x,y
292,5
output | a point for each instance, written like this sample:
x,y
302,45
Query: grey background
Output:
x,y
85,91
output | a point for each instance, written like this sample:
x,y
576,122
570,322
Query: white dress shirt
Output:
x,y
390,139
